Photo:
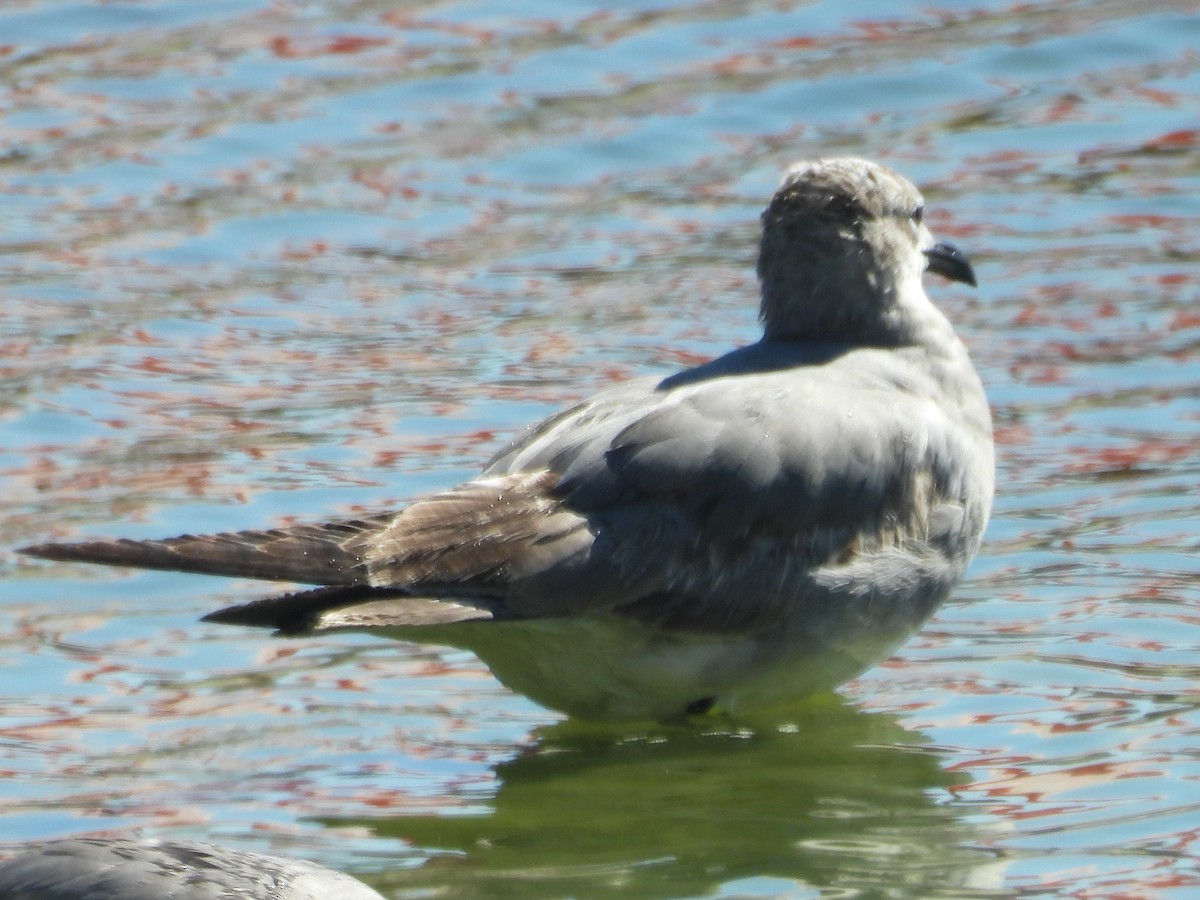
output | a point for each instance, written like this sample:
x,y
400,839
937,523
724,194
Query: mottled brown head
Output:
x,y
842,252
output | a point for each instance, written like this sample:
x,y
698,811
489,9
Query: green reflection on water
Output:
x,y
838,799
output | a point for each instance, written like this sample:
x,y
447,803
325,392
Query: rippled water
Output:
x,y
269,260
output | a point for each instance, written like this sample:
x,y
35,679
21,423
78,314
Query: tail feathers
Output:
x,y
310,554
292,613
352,607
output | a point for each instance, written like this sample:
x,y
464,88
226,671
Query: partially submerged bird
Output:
x,y
740,534
127,869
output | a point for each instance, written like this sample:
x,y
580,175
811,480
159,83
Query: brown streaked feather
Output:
x,y
475,539
406,612
485,533
313,554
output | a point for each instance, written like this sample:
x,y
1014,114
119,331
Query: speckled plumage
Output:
x,y
759,527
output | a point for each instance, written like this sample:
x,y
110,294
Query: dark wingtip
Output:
x,y
292,613
56,552
120,552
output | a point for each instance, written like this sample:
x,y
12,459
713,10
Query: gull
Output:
x,y
127,869
736,536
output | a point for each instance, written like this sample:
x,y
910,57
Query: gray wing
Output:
x,y
725,495
705,502
90,869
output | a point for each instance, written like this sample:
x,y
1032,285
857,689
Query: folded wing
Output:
x,y
708,504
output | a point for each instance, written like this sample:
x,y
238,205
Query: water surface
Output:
x,y
270,261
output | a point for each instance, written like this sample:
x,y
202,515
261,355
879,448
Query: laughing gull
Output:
x,y
125,869
755,529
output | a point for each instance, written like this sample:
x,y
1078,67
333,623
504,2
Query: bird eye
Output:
x,y
918,214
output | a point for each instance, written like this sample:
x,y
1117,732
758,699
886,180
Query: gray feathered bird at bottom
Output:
x,y
757,528
128,869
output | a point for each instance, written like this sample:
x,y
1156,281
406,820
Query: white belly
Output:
x,y
608,668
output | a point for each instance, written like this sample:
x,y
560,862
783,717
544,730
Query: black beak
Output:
x,y
950,262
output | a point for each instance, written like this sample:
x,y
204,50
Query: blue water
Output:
x,y
262,261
